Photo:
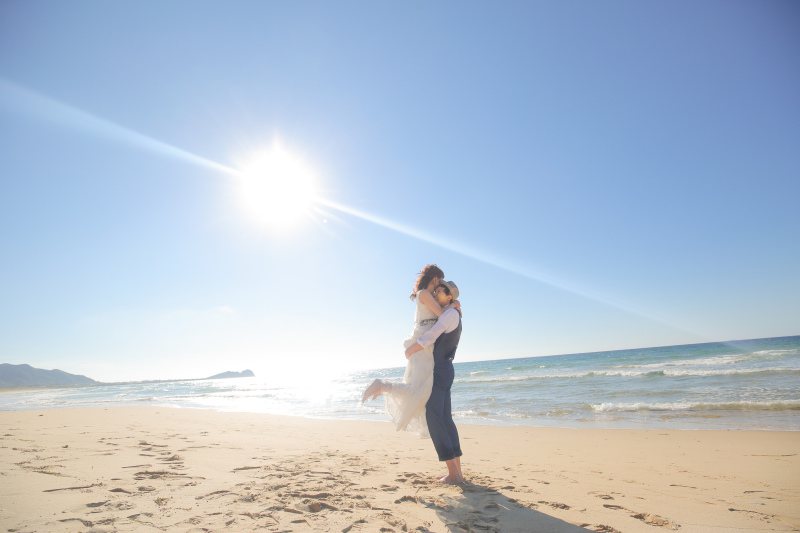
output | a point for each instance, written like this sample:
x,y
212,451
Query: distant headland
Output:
x,y
19,376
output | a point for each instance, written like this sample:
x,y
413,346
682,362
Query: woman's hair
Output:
x,y
425,276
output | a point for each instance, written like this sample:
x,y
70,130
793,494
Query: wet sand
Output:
x,y
151,469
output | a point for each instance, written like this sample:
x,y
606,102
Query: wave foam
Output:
x,y
788,405
631,373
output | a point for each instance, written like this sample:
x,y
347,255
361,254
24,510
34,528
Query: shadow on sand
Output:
x,y
484,509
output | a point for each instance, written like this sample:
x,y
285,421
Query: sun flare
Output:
x,y
278,188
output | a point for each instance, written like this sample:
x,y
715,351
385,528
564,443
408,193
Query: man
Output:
x,y
444,335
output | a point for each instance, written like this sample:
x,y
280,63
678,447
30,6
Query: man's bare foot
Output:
x,y
374,390
451,480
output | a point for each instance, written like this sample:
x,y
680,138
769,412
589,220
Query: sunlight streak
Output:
x,y
508,266
287,196
20,99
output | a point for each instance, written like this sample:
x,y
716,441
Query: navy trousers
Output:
x,y
438,414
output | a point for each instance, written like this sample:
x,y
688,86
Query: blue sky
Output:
x,y
593,175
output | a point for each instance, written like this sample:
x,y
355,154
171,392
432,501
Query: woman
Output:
x,y
405,402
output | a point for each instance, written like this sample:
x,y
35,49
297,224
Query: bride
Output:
x,y
405,401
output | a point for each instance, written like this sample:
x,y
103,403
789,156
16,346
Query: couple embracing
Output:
x,y
421,402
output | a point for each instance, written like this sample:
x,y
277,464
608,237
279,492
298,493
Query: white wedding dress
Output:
x,y
405,402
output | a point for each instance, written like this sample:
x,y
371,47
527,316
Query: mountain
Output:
x,y
242,374
27,376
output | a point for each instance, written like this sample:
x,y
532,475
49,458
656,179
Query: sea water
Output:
x,y
753,384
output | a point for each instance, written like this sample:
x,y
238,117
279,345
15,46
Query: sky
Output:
x,y
192,187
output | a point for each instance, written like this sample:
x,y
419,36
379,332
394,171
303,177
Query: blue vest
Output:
x,y
444,349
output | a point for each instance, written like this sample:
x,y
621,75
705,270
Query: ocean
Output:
x,y
748,384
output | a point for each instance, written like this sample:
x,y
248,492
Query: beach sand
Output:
x,y
163,469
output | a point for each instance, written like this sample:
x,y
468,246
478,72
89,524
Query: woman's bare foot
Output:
x,y
451,480
374,390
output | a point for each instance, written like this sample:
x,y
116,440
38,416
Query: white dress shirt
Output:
x,y
446,323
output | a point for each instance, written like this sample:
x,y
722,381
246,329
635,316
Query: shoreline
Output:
x,y
8,390
622,424
29,388
186,469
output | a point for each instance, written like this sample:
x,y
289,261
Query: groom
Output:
x,y
444,335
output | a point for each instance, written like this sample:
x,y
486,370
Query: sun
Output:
x,y
277,188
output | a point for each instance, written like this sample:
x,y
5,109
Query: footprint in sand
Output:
x,y
97,504
601,528
647,518
557,505
655,520
602,495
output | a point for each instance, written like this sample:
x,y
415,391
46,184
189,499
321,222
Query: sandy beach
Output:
x,y
149,468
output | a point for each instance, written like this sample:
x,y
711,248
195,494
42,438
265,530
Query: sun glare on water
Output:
x,y
278,188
